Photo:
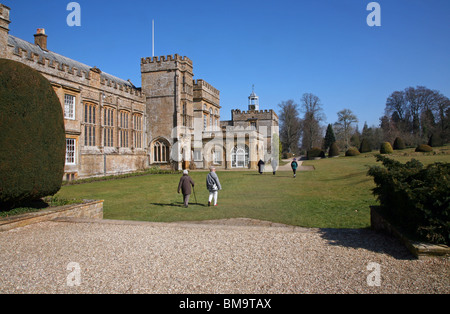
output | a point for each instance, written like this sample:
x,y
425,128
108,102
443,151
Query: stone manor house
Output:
x,y
172,121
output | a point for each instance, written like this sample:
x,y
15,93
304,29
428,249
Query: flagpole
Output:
x,y
153,38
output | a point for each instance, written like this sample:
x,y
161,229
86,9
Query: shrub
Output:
x,y
415,197
386,148
423,148
32,142
334,150
315,152
399,144
365,146
435,140
352,152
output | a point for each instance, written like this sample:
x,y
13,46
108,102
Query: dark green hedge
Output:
x,y
32,141
365,146
315,152
334,150
399,144
415,197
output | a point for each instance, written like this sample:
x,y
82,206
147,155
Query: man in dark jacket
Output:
x,y
185,187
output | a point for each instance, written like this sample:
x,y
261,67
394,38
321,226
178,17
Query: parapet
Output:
x,y
48,61
168,58
270,114
201,84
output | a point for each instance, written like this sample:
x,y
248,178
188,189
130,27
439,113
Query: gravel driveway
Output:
x,y
237,256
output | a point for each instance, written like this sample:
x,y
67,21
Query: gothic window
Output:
x,y
137,130
89,124
210,119
123,128
108,130
160,152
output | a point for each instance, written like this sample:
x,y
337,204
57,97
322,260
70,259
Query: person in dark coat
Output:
x,y
185,186
261,166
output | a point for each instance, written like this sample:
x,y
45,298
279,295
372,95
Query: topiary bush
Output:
x,y
334,150
415,197
399,144
352,152
315,152
32,141
435,140
365,146
423,148
386,148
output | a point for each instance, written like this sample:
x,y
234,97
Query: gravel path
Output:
x,y
232,256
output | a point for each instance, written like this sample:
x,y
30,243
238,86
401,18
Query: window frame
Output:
x,y
71,154
69,108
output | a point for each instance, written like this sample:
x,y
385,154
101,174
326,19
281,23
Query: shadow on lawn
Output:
x,y
367,239
178,204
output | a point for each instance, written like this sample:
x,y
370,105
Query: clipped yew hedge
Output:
x,y
415,197
386,148
32,141
423,148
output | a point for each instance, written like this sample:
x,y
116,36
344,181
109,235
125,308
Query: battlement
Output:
x,y
201,84
239,115
49,62
238,111
168,58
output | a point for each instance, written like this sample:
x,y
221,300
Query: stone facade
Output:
x,y
104,115
172,121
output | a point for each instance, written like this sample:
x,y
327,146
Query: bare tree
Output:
x,y
345,120
290,126
418,112
313,115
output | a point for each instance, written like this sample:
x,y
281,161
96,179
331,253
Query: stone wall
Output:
x,y
89,209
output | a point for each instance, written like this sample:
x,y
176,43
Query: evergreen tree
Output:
x,y
329,138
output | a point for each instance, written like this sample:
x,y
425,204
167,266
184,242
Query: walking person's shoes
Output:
x,y
209,203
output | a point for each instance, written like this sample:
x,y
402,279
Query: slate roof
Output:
x,y
52,56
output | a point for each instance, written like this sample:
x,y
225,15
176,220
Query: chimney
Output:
x,y
4,29
40,38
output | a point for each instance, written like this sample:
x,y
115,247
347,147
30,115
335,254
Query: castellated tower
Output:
x,y
167,82
4,29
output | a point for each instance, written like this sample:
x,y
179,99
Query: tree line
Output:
x,y
414,114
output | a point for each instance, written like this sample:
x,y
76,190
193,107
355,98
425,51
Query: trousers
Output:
x,y
186,199
213,194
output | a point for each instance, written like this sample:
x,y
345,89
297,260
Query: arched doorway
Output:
x,y
240,157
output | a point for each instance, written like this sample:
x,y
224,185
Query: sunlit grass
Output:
x,y
337,194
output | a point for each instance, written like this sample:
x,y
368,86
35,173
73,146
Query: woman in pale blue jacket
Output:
x,y
213,186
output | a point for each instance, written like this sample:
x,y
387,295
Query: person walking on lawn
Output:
x,y
294,166
185,186
213,186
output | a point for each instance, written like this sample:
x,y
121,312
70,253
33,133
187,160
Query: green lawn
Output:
x,y
336,195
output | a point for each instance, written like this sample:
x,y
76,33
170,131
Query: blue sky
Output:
x,y
285,48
